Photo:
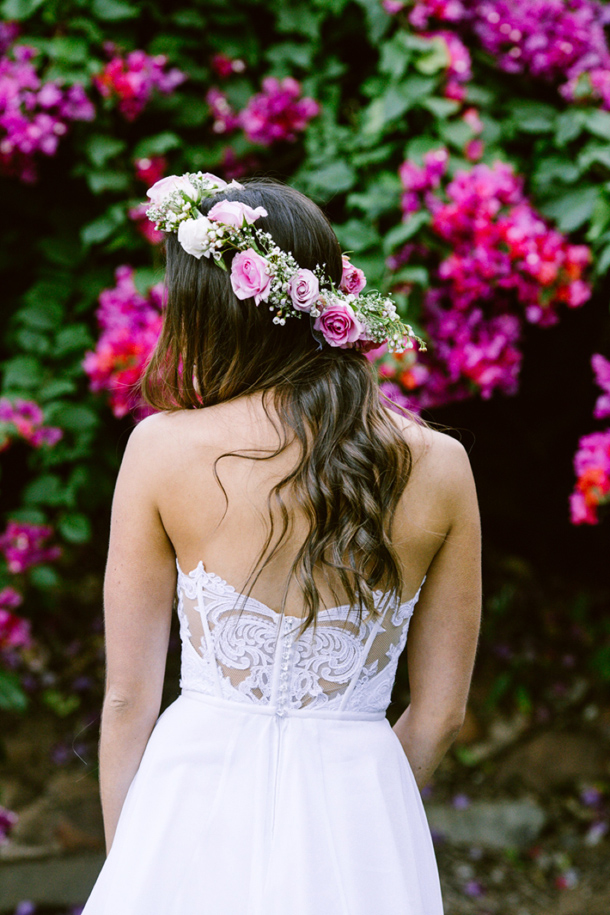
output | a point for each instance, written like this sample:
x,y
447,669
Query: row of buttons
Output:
x,y
285,668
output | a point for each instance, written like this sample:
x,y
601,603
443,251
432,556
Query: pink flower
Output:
x,y
353,280
304,289
338,324
14,631
150,170
7,821
601,367
278,113
165,186
234,213
133,79
23,545
250,276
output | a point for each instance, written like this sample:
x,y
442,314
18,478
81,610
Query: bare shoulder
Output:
x,y
439,459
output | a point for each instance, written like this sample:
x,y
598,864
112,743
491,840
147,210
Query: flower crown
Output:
x,y
261,270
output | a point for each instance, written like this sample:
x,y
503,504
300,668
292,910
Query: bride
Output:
x,y
300,529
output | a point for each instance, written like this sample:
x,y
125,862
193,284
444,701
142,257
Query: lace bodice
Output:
x,y
255,655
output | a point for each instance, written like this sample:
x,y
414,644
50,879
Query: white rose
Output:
x,y
193,235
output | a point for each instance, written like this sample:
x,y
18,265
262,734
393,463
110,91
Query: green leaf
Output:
x,y
100,148
395,55
44,577
594,153
104,226
298,18
75,528
405,230
437,58
146,277
441,107
56,387
19,9
289,54
572,210
157,145
378,21
533,117
598,123
61,703
71,339
42,316
356,235
568,125
455,133
22,372
416,275
74,417
552,169
45,490
113,10
379,198
12,696
68,49
33,342
62,250
101,182
419,146
602,263
396,100
330,179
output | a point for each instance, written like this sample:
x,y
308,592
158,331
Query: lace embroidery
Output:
x,y
239,650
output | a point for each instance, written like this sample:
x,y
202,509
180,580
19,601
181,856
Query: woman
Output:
x,y
301,525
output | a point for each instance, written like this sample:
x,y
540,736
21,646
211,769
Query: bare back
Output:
x,y
191,503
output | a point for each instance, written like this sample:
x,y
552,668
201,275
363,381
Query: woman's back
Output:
x,y
179,464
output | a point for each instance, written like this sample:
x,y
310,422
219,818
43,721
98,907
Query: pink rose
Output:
x,y
304,289
250,276
338,324
234,213
164,187
353,280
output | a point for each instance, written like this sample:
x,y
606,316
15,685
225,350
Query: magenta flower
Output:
x,y
133,79
150,170
225,118
601,368
224,66
23,545
592,469
14,631
278,113
34,115
24,419
7,821
130,325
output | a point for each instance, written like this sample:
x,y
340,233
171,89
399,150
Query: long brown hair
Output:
x,y
354,462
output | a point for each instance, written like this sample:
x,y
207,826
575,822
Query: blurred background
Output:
x,y
462,151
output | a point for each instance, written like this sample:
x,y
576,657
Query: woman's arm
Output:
x,y
139,588
444,631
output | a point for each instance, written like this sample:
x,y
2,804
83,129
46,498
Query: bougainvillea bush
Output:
x,y
461,150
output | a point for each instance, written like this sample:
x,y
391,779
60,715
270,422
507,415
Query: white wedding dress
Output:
x,y
274,783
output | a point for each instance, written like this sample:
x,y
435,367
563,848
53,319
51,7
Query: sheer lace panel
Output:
x,y
238,648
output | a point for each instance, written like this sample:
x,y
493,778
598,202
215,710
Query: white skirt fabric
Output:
x,y
237,811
